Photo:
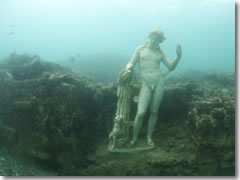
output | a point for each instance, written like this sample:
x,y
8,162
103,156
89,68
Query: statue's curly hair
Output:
x,y
156,31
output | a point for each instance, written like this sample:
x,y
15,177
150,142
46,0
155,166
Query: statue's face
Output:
x,y
156,39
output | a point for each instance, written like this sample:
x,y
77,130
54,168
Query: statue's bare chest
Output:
x,y
148,55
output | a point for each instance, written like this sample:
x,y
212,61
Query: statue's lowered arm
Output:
x,y
133,61
122,123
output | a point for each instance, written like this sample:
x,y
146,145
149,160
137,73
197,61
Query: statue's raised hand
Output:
x,y
179,51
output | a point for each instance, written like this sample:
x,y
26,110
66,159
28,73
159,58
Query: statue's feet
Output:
x,y
133,142
150,142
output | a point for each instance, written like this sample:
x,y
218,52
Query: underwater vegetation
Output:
x,y
61,119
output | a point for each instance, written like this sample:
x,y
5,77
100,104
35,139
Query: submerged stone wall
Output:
x,y
51,116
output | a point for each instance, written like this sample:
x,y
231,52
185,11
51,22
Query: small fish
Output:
x,y
11,33
11,26
135,99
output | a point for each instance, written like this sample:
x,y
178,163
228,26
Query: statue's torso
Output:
x,y
149,62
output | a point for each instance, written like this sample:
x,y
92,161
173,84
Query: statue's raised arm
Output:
x,y
171,65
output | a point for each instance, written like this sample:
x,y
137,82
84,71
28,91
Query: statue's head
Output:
x,y
156,36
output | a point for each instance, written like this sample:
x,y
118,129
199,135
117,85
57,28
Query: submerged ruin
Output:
x,y
62,118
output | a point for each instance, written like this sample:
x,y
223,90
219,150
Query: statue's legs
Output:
x,y
143,103
155,103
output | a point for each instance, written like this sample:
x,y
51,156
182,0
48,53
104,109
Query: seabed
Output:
x,y
131,150
124,147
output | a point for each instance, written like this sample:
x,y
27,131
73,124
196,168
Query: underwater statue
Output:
x,y
148,56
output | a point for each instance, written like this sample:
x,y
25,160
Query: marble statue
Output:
x,y
148,56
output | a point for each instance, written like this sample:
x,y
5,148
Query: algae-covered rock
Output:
x,y
213,134
26,66
49,113
63,118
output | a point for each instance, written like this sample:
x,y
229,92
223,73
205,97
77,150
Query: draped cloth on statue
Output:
x,y
119,137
